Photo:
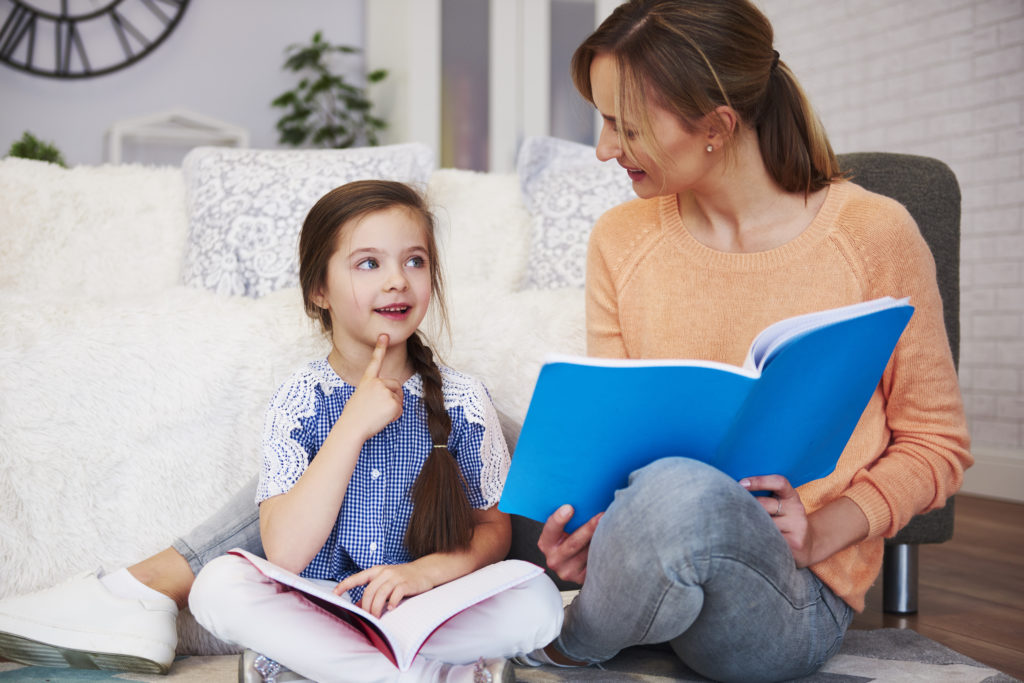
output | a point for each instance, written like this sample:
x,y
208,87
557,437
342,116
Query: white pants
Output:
x,y
235,602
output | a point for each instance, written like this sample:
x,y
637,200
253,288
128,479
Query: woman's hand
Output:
x,y
566,554
386,586
815,537
377,402
786,510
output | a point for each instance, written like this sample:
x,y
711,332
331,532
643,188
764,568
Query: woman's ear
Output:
x,y
721,124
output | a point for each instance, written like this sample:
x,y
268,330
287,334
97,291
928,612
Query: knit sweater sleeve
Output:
x,y
928,447
618,238
604,335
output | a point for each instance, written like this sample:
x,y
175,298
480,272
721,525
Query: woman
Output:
x,y
744,218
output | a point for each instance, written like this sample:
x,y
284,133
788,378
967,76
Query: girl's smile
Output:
x,y
396,312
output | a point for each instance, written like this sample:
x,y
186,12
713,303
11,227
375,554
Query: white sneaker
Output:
x,y
80,624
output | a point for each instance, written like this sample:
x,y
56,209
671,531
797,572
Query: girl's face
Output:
x,y
688,160
378,279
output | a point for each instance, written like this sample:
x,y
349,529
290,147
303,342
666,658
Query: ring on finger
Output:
x,y
778,511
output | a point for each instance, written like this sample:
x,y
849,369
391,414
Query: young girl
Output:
x,y
381,469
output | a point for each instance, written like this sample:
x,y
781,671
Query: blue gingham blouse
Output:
x,y
371,524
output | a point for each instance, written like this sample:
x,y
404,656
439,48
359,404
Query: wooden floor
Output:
x,y
971,592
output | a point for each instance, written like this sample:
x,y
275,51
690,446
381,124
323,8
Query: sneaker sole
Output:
x,y
34,653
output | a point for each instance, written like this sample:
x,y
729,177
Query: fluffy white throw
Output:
x,y
131,407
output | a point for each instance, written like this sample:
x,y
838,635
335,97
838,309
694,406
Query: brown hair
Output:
x,y
692,56
442,516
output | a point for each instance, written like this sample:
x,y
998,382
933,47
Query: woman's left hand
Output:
x,y
787,511
386,586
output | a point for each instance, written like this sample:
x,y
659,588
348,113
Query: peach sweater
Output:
x,y
653,291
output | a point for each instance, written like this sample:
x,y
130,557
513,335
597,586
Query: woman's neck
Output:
x,y
742,209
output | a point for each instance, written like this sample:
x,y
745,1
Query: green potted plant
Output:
x,y
324,109
31,147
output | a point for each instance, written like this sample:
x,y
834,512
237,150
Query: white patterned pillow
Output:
x,y
246,207
565,189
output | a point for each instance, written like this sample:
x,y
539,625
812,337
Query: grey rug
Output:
x,y
890,655
883,655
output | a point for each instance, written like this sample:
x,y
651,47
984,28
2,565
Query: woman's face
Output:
x,y
688,160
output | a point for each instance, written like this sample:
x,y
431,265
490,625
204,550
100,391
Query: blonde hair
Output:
x,y
691,57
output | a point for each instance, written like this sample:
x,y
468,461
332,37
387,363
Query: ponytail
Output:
x,y
442,518
793,143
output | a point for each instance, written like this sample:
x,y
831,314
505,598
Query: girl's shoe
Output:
x,y
483,671
493,671
80,624
256,668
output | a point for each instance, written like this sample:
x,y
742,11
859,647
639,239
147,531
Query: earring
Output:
x,y
710,149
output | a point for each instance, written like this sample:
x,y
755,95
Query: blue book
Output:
x,y
789,410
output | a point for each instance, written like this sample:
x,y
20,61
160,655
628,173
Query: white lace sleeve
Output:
x,y
471,395
284,458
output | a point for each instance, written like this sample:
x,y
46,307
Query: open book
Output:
x,y
400,633
789,410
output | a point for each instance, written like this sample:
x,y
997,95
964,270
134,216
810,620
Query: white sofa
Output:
x,y
135,364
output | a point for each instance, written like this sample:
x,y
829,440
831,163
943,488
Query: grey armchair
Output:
x,y
929,190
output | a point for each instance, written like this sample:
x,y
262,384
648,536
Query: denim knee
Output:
x,y
675,474
683,510
235,525
682,488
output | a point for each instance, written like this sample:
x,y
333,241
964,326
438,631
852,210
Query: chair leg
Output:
x,y
899,579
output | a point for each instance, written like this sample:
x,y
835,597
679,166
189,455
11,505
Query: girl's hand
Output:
x,y
566,554
377,402
787,511
386,586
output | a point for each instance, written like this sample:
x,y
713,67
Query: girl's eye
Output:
x,y
368,264
416,262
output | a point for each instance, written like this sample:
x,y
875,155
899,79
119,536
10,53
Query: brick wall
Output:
x,y
942,78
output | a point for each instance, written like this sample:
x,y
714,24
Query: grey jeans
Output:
x,y
685,555
235,525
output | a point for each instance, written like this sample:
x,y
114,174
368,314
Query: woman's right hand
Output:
x,y
377,402
566,554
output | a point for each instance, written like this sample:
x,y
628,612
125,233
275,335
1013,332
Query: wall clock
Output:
x,y
83,38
